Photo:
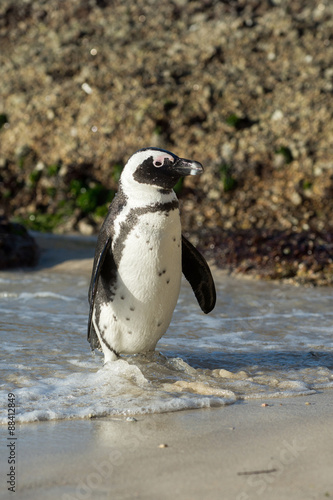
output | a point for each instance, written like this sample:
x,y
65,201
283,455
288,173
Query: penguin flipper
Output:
x,y
197,273
101,252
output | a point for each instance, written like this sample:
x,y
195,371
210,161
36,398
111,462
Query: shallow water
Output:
x,y
262,340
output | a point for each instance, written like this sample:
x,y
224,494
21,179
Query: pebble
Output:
x,y
85,228
277,115
241,375
86,87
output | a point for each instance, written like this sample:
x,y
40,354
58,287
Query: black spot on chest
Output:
x,y
132,220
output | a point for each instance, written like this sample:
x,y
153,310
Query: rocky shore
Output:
x,y
245,87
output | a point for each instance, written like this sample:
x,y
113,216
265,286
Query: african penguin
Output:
x,y
140,256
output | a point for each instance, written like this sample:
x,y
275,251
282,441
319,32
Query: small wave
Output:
x,y
154,384
8,295
119,388
25,296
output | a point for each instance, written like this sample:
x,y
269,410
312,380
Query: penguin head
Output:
x,y
156,168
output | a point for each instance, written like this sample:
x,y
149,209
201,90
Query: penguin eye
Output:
x,y
162,160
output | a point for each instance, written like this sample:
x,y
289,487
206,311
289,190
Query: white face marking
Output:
x,y
140,156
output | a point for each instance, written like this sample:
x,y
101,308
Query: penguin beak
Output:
x,y
187,167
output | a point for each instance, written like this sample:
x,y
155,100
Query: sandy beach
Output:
x,y
244,451
275,449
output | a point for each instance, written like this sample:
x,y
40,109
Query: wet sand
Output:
x,y
244,451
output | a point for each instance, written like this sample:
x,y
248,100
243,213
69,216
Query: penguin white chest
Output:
x,y
151,256
148,283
